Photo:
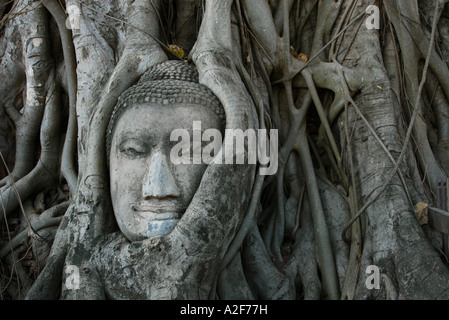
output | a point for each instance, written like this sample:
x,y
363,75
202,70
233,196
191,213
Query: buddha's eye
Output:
x,y
133,148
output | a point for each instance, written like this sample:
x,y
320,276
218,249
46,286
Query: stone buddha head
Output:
x,y
149,192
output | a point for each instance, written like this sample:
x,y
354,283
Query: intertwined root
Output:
x,y
362,116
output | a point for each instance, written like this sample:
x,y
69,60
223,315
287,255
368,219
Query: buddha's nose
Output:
x,y
159,182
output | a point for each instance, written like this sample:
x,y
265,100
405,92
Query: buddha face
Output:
x,y
150,193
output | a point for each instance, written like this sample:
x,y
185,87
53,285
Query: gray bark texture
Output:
x,y
362,115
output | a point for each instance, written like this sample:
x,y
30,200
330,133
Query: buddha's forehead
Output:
x,y
166,118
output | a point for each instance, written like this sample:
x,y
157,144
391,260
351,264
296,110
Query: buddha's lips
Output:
x,y
159,212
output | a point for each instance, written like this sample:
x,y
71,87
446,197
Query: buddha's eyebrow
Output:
x,y
137,134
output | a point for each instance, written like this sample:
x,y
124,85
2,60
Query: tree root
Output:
x,y
49,218
39,78
265,279
43,174
410,33
68,155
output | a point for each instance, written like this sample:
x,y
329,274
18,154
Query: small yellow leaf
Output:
x,y
421,213
303,57
300,56
379,87
177,50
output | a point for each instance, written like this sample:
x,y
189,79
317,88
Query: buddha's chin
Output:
x,y
158,228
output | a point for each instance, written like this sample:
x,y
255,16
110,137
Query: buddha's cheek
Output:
x,y
126,190
126,180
